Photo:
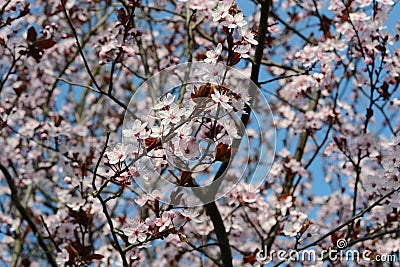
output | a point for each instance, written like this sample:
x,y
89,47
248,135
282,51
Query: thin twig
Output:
x,y
104,205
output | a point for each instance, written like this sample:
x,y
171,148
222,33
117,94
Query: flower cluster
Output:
x,y
176,135
231,18
390,175
296,224
164,223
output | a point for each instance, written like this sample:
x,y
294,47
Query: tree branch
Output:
x,y
211,208
16,201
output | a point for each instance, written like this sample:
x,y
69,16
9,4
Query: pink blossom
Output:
x,y
165,221
118,153
249,195
212,55
158,157
168,100
395,141
221,99
243,50
247,35
297,215
172,115
285,204
75,203
234,21
190,215
136,231
138,129
230,127
189,148
359,16
292,228
160,131
307,56
184,131
62,257
295,223
125,178
296,167
221,12
386,2
66,230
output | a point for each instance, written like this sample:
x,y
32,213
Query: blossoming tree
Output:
x,y
115,154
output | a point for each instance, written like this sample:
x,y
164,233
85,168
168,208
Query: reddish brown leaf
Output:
x,y
72,251
122,15
223,152
370,113
57,120
94,257
185,177
32,34
35,53
45,44
235,59
249,259
305,226
205,90
152,143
